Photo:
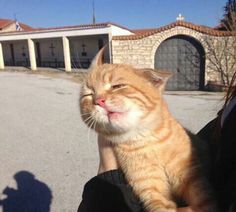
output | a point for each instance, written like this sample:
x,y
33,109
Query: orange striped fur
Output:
x,y
152,148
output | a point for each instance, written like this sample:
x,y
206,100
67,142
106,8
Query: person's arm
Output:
x,y
107,157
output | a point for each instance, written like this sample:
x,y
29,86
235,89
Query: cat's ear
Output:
x,y
98,59
157,77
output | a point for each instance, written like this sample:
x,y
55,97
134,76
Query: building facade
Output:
x,y
61,47
180,47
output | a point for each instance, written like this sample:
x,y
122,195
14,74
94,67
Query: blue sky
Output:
x,y
132,14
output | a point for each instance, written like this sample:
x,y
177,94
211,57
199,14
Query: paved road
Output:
x,y
41,132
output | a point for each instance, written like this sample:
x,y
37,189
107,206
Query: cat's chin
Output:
x,y
122,135
108,130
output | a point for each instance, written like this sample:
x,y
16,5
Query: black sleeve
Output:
x,y
223,151
210,135
109,192
225,168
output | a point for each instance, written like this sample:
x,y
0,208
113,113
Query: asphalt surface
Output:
x,y
41,132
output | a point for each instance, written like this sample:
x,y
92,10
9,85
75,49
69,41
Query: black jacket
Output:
x,y
223,154
109,192
225,164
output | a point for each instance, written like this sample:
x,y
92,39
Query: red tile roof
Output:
x,y
25,27
142,33
138,33
220,27
6,22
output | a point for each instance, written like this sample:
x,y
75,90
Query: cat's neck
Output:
x,y
135,136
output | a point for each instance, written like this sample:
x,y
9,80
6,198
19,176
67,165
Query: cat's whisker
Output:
x,y
90,125
88,137
95,123
89,122
88,119
104,126
85,114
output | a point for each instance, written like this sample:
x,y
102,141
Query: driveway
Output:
x,y
44,144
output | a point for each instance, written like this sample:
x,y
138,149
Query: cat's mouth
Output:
x,y
114,114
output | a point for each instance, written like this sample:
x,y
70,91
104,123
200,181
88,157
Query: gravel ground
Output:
x,y
41,132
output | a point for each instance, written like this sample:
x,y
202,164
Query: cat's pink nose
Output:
x,y
100,102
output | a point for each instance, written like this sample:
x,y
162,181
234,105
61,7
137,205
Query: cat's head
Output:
x,y
119,101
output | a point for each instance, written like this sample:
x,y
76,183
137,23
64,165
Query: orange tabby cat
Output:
x,y
126,106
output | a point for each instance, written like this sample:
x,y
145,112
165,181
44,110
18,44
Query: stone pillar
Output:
x,y
32,56
66,51
1,57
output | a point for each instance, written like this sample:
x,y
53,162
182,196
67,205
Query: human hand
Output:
x,y
107,156
8,190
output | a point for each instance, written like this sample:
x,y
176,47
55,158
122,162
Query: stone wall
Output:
x,y
141,52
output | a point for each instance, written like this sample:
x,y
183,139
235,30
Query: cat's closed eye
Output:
x,y
118,86
88,94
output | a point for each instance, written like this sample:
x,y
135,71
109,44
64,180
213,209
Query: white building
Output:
x,y
61,47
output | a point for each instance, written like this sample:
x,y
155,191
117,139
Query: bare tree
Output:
x,y
221,51
221,57
229,20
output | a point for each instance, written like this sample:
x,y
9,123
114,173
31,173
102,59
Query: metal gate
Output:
x,y
183,56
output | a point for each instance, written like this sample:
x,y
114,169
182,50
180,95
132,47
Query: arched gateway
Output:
x,y
184,57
